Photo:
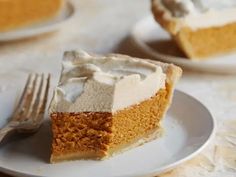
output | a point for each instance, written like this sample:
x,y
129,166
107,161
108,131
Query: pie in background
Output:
x,y
16,14
201,28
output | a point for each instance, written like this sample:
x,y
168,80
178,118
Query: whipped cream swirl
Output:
x,y
104,83
200,13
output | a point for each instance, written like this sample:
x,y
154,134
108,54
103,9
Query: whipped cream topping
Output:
x,y
201,13
104,83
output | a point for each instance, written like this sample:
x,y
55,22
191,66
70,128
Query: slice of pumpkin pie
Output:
x,y
201,28
104,105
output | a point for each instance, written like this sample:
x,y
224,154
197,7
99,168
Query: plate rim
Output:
x,y
180,61
28,32
156,171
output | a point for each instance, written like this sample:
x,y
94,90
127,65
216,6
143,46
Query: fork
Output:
x,y
29,113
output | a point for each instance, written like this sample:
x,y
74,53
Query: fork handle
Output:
x,y
5,130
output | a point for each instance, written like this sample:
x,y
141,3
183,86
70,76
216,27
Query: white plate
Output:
x,y
65,14
188,126
156,42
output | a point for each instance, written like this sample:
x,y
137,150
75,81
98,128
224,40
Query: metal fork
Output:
x,y
29,113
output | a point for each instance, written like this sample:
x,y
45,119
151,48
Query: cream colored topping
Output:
x,y
104,83
200,13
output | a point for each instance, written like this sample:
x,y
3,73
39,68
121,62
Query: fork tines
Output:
x,y
34,98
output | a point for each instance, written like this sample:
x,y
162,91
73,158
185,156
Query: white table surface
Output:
x,y
103,26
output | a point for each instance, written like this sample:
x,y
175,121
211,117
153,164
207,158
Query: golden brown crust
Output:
x,y
76,155
159,12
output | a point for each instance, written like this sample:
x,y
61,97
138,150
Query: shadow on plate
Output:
x,y
168,47
128,47
36,145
